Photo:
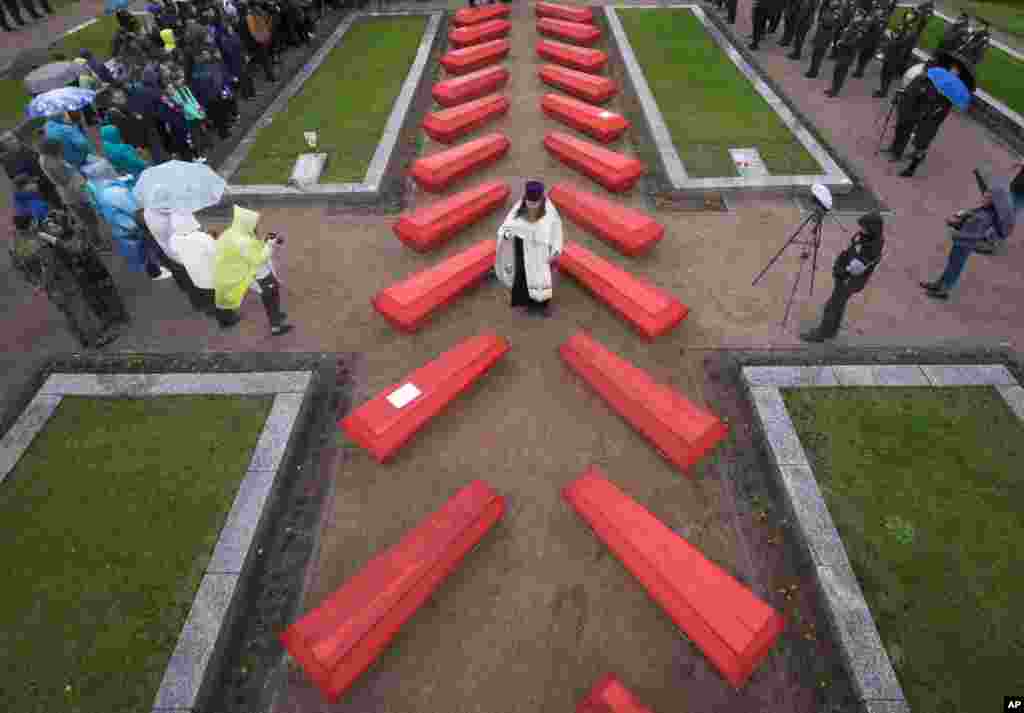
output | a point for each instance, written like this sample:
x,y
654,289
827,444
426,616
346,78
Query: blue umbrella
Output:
x,y
112,6
179,185
950,86
58,101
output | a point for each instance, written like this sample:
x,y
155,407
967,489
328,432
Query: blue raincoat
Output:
x,y
122,156
76,144
116,205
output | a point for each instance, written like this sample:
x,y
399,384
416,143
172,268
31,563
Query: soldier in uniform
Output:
x,y
802,25
877,22
955,34
973,48
777,8
899,50
845,18
828,20
846,47
922,110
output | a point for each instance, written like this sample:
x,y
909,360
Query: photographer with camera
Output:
x,y
992,221
851,272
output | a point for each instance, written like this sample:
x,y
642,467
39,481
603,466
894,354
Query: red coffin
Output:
x,y
605,126
475,34
582,58
339,640
628,231
650,311
592,87
578,32
469,59
609,696
565,12
475,15
615,171
428,227
469,86
680,431
409,303
437,171
732,626
449,124
382,428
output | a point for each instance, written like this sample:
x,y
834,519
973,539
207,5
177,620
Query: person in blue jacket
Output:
x,y
76,144
116,205
121,156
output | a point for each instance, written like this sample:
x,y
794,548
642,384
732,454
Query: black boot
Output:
x,y
270,295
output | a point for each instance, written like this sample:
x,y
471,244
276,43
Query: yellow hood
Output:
x,y
168,39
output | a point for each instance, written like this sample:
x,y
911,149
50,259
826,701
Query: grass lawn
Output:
x,y
347,101
1006,16
108,522
13,99
926,490
999,74
708,104
97,37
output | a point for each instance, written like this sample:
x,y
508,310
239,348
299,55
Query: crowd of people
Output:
x,y
168,88
856,32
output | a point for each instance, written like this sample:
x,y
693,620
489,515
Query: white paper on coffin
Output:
x,y
403,395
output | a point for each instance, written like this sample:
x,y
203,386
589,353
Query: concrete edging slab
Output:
x,y
369,188
204,632
864,655
834,176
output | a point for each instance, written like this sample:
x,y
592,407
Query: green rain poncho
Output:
x,y
239,256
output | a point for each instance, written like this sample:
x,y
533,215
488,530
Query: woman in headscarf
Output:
x,y
122,156
162,226
73,191
529,240
242,262
54,260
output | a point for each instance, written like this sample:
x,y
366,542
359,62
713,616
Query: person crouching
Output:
x,y
529,240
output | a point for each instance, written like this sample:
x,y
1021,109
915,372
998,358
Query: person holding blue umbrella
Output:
x,y
926,103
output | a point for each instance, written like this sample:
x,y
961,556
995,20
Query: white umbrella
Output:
x,y
179,185
52,76
195,251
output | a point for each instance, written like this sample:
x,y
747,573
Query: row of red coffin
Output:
x,y
681,432
448,125
479,82
339,640
615,171
471,16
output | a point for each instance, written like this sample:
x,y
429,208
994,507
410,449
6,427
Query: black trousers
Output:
x,y
842,69
200,302
867,53
730,9
760,21
832,317
799,36
15,11
270,296
893,66
817,57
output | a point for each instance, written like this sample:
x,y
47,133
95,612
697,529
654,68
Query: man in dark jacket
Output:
x,y
921,112
828,20
878,21
899,50
849,42
845,17
851,272
802,25
968,229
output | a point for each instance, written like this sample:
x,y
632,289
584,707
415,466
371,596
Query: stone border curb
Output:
x,y
864,655
369,188
203,634
834,177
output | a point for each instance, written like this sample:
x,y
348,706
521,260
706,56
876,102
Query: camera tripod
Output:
x,y
888,118
808,236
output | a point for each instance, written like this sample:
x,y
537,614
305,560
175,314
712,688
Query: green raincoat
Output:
x,y
239,256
